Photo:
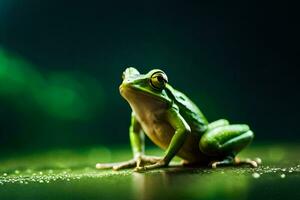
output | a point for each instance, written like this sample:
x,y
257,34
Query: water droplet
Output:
x,y
282,175
17,172
255,175
5,174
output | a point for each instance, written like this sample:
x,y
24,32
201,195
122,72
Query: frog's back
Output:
x,y
189,111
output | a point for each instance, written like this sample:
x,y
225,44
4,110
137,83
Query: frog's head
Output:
x,y
144,88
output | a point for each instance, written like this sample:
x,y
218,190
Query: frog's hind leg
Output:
x,y
218,123
225,142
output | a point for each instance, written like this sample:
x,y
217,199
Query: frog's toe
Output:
x,y
116,166
248,161
139,169
258,161
186,163
215,164
125,165
150,159
104,165
159,164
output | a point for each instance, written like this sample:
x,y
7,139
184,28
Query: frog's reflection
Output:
x,y
182,183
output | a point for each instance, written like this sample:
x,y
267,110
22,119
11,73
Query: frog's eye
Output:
x,y
158,80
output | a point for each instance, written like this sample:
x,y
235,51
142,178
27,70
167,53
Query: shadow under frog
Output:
x,y
191,183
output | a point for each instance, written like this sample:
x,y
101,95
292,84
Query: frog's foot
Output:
x,y
236,161
158,164
247,161
140,161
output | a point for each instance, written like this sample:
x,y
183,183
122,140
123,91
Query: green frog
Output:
x,y
174,123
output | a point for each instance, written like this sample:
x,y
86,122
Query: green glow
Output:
x,y
58,94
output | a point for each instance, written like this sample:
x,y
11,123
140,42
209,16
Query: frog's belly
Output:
x,y
161,134
150,113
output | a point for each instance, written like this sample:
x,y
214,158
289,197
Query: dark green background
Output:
x,y
236,60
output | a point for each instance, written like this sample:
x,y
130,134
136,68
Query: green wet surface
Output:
x,y
66,174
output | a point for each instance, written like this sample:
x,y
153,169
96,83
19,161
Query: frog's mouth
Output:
x,y
139,94
142,102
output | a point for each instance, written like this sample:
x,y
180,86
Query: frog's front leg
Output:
x,y
138,145
222,140
182,129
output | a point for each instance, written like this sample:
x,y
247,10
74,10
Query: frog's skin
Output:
x,y
174,123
